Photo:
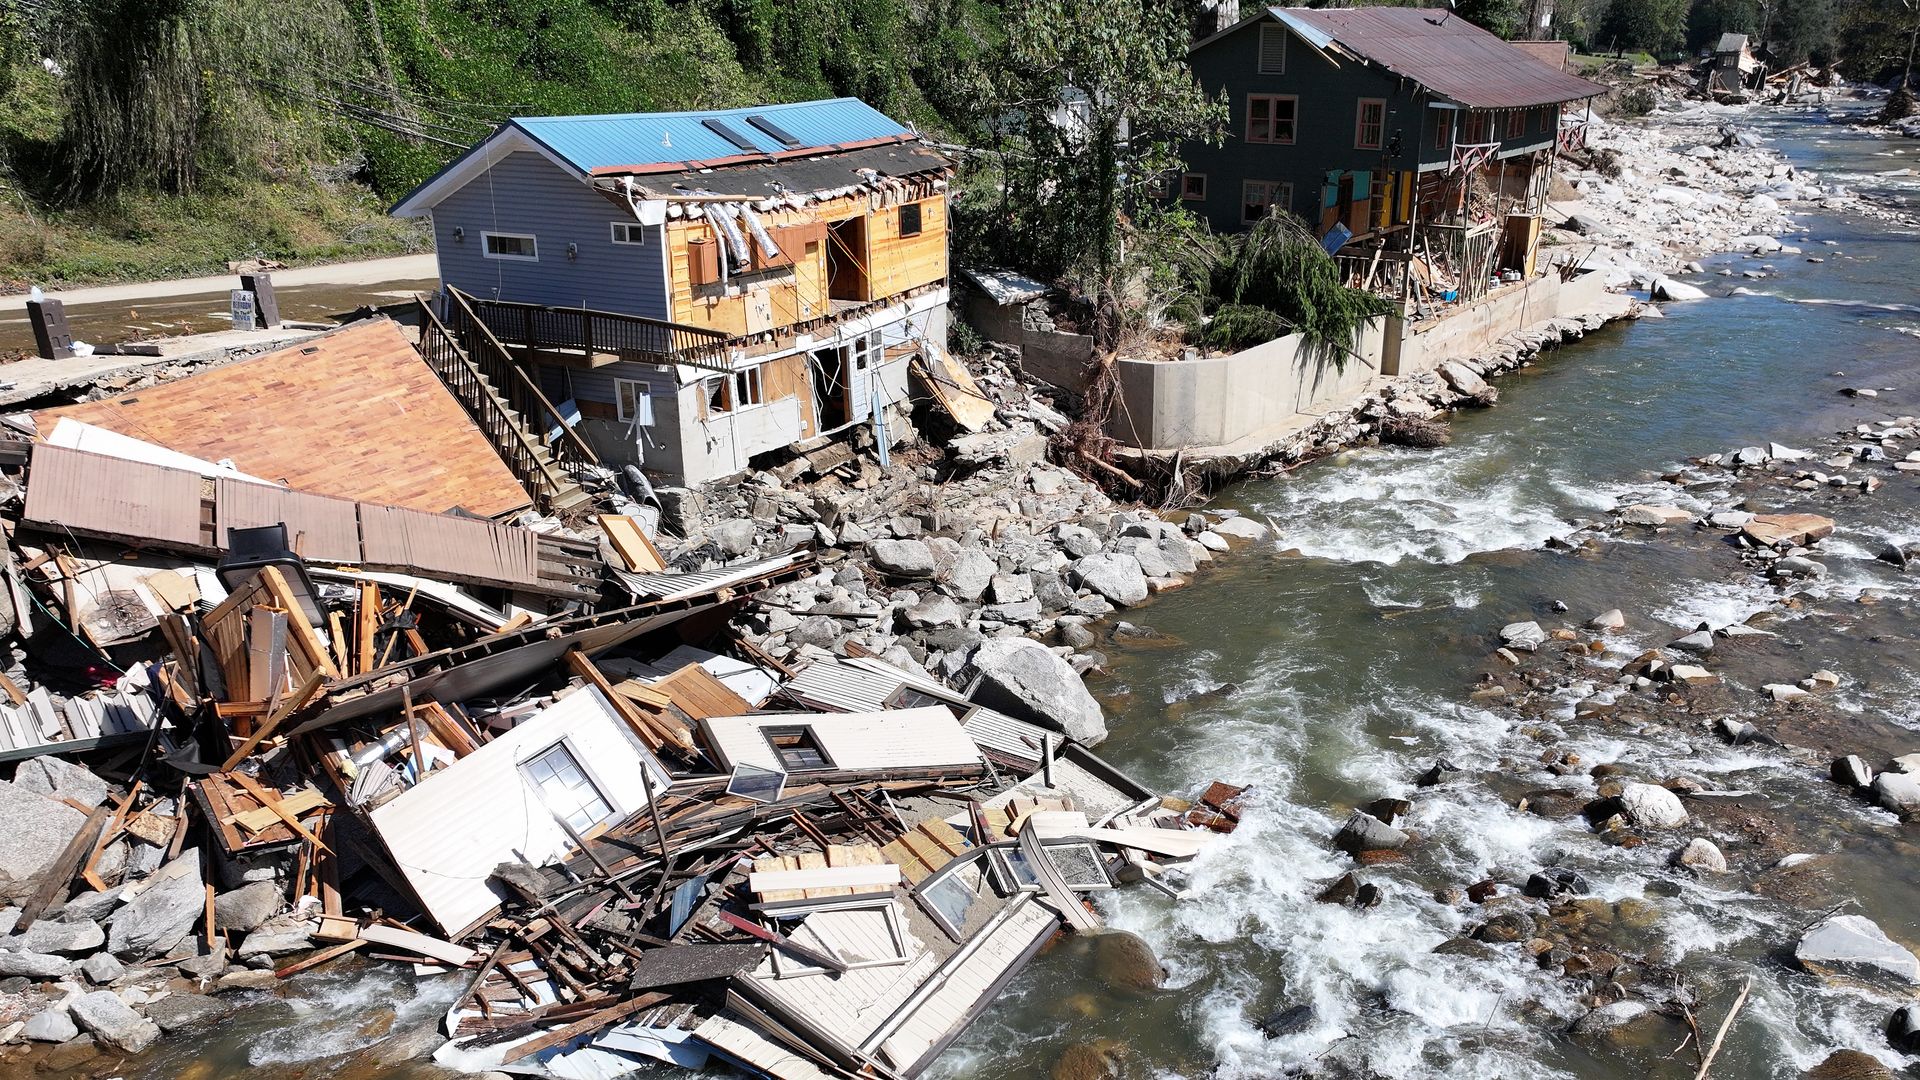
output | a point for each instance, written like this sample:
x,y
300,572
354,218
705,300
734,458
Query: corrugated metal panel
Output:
x,y
676,586
395,538
1448,55
826,684
92,493
319,527
1013,738
592,142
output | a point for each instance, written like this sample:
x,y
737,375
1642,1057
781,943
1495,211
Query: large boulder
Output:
x,y
246,907
969,575
52,1025
59,779
1652,807
1793,530
1525,636
1854,945
1898,792
902,558
112,1022
163,914
1462,379
1114,576
37,829
33,965
1024,678
47,936
1653,515
1666,288
1363,833
178,1011
1240,528
1701,854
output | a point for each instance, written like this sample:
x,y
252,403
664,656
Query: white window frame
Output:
x,y
1260,54
486,246
625,232
747,389
594,783
1279,194
642,399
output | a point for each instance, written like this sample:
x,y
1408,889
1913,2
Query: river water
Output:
x,y
1352,645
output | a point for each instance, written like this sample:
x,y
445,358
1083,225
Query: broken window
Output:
x,y
746,388
635,404
797,748
1369,120
719,395
1259,197
1193,186
910,219
751,781
1270,118
509,246
567,789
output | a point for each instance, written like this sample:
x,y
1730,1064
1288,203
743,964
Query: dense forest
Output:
x,y
155,137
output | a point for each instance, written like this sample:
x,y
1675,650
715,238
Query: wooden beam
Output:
x,y
54,880
287,708
107,835
272,802
649,734
594,1022
366,620
320,957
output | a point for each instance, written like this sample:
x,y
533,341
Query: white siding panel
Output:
x,y
927,737
448,833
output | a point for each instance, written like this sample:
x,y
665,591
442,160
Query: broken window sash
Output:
x,y
762,785
634,403
797,747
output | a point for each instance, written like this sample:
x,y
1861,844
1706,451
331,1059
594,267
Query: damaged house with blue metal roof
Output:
x,y
684,291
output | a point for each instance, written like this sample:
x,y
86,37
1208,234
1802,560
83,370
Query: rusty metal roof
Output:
x,y
90,493
1445,53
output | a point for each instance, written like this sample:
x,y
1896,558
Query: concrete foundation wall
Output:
x,y
1470,331
1056,359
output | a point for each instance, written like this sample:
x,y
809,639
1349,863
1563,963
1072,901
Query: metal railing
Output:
x,y
511,380
630,337
518,447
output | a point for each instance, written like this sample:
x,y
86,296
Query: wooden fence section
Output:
x,y
630,337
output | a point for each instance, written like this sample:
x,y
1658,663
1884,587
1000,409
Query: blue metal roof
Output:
x,y
595,142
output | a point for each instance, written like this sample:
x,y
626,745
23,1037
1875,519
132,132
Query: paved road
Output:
x,y
367,272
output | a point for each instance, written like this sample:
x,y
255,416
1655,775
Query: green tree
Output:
x,y
1658,26
1503,17
1100,99
1711,18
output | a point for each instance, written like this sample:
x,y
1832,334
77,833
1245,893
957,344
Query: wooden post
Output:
x,y
413,734
51,336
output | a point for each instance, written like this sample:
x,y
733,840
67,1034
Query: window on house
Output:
x,y
1258,198
1270,118
566,788
629,232
1476,132
1442,130
509,246
1193,187
746,388
797,748
633,401
719,394
1369,121
910,219
1273,50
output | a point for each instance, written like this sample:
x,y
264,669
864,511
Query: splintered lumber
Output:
x,y
288,707
785,944
262,818
366,619
106,836
271,801
54,881
1173,843
631,544
655,735
593,1022
438,949
320,957
700,695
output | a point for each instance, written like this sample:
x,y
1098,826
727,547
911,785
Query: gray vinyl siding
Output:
x,y
657,449
524,193
1329,97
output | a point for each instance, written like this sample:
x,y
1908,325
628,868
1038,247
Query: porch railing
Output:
x,y
631,337
510,378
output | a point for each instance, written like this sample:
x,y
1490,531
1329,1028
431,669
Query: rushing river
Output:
x,y
1353,643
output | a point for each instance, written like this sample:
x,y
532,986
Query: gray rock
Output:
x,y
1115,576
1363,832
935,613
1023,612
1525,636
205,966
162,915
102,968
1898,792
91,905
1607,1017
1608,620
1076,540
820,631
33,965
1652,807
1701,854
59,779
969,576
1178,551
112,1022
902,558
1903,1029
1240,528
1851,771
1026,679
1654,516
1052,592
37,830
246,907
1011,588
1854,945
52,1025
276,937
733,537
1699,643
1462,379
1665,288
79,936
1146,552
1077,635
178,1011
1212,541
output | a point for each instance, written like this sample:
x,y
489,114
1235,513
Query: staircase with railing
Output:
x,y
505,404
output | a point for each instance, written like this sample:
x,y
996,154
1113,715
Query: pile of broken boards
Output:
x,y
842,871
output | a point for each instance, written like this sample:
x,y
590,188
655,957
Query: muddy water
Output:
x,y
1352,661
1353,643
